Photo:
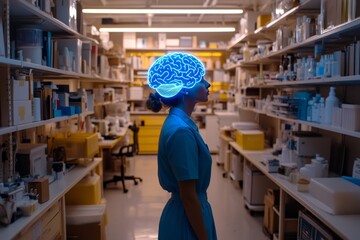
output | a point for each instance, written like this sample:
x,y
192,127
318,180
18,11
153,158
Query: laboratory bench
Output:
x,y
345,226
49,218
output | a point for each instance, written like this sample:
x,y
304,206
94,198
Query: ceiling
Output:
x,y
142,20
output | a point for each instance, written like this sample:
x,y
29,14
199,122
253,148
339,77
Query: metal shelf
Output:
x,y
311,6
24,10
175,49
311,124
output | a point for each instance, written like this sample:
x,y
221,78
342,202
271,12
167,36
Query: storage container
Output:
x,y
136,93
250,139
336,195
87,191
351,117
337,117
262,20
20,89
77,145
29,41
85,222
22,112
29,36
245,126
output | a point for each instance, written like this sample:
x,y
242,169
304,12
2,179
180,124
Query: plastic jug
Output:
x,y
317,169
320,166
330,102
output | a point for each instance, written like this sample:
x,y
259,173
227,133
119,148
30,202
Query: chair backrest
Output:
x,y
135,129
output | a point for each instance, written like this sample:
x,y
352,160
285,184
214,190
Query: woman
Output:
x,y
184,160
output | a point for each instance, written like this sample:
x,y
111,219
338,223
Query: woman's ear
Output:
x,y
184,91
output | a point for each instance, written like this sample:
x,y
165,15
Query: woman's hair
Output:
x,y
155,102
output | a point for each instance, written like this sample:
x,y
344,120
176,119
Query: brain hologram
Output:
x,y
172,72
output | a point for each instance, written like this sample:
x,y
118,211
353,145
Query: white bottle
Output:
x,y
309,110
321,110
330,102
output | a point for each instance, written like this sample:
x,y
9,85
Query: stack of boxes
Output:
x,y
21,101
86,210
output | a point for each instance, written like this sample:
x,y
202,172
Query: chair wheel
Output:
x,y
140,180
136,183
125,190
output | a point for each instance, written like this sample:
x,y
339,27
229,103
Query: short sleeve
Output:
x,y
183,155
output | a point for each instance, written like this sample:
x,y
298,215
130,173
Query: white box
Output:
x,y
129,40
336,195
136,93
66,12
172,42
350,117
162,40
20,90
36,155
140,42
74,46
83,214
250,21
186,41
22,112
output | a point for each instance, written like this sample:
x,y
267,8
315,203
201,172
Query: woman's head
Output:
x,y
174,76
171,73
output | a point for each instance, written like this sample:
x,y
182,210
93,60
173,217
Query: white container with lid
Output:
x,y
336,195
351,117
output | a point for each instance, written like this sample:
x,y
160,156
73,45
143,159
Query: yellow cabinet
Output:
x,y
150,127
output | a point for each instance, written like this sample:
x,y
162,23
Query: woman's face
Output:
x,y
200,92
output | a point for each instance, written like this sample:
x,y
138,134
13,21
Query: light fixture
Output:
x,y
164,29
162,11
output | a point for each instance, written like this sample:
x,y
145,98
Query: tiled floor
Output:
x,y
135,215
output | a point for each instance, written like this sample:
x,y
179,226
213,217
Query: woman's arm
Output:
x,y
192,207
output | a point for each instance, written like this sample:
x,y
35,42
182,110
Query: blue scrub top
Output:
x,y
183,155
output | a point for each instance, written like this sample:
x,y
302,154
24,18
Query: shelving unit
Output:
x,y
333,39
23,11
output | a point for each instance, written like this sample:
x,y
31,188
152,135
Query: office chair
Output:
x,y
129,150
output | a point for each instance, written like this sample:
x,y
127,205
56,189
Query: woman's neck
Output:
x,y
187,107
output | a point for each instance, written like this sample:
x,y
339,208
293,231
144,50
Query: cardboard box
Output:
x,y
271,218
172,42
42,187
136,93
162,40
262,20
129,40
66,12
186,41
22,112
20,90
249,25
85,222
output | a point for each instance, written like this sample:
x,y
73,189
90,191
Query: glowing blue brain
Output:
x,y
172,72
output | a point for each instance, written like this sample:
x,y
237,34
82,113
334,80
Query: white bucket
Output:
x,y
34,54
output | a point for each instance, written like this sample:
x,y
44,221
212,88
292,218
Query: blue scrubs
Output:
x,y
183,155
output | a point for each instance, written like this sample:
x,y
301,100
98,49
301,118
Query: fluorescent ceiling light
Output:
x,y
174,29
162,11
